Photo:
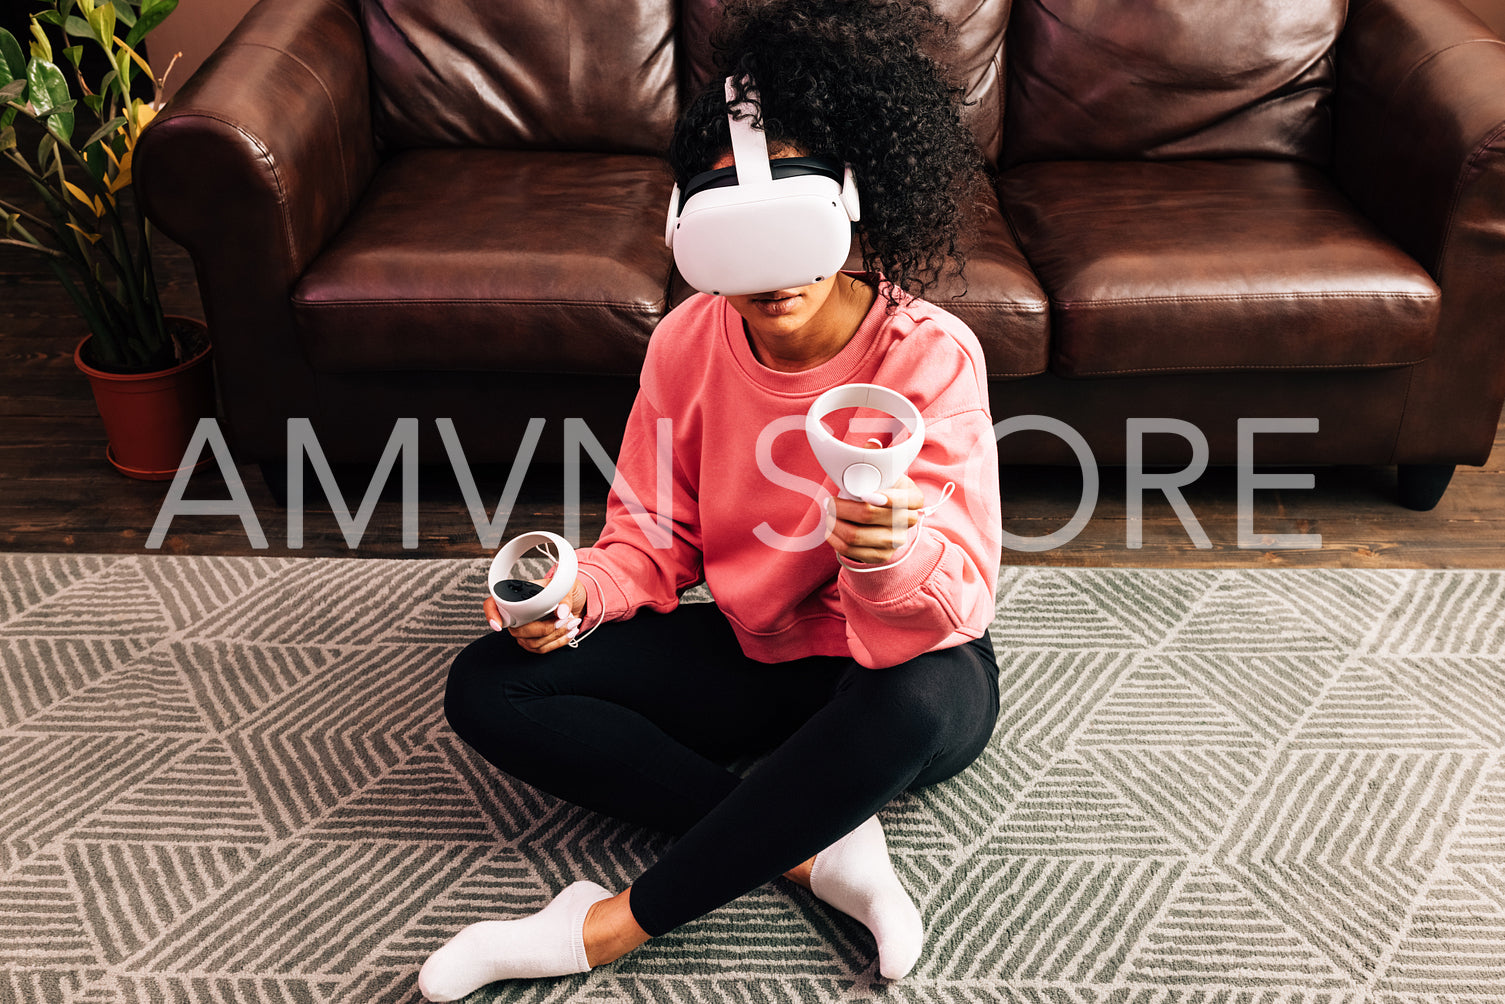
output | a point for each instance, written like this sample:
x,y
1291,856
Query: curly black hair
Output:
x,y
860,81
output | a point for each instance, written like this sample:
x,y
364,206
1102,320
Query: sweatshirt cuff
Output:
x,y
603,597
915,564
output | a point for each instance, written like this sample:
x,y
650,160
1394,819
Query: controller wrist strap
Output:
x,y
549,553
575,641
863,569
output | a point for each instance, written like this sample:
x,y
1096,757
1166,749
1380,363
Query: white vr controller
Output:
x,y
857,470
522,601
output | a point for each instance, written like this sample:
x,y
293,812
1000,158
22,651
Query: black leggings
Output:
x,y
640,720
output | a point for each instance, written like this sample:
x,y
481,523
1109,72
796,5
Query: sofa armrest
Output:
x,y
1420,118
1420,149
253,166
260,157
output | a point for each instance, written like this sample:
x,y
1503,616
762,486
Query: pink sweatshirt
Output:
x,y
739,503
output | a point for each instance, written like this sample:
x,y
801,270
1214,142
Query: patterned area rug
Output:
x,y
228,781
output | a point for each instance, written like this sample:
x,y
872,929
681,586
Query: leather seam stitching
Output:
x,y
334,110
1435,54
1458,188
1238,297
1400,420
519,301
271,166
1003,307
1253,366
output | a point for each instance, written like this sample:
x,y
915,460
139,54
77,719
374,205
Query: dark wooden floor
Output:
x,y
57,493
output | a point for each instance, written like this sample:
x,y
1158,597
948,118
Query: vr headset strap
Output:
x,y
749,146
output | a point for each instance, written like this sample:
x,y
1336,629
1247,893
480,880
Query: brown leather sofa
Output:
x,y
1203,210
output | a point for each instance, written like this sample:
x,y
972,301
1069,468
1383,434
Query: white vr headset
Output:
x,y
761,226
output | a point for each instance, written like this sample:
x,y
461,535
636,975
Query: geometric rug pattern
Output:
x,y
229,781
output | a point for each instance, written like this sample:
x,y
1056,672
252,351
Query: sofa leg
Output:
x,y
1421,485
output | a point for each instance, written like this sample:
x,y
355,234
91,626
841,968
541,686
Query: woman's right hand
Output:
x,y
553,629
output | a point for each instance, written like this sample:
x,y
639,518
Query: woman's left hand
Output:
x,y
874,530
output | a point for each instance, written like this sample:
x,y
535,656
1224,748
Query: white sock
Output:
x,y
856,877
549,943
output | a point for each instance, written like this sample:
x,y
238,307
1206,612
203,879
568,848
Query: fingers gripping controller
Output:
x,y
520,601
858,470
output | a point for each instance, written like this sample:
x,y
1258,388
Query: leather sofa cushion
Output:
x,y
1003,303
493,260
1198,265
1157,79
523,74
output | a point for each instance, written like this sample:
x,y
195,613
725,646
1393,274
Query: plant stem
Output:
x,y
104,350
42,249
149,284
16,210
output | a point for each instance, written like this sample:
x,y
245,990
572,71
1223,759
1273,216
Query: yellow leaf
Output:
x,y
126,50
142,114
91,238
78,193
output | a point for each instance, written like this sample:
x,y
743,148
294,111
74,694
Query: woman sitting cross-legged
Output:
x,y
847,642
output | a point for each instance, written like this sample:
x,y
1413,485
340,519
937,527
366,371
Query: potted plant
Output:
x,y
149,372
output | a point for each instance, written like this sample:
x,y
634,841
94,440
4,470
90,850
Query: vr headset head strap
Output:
x,y
749,145
781,167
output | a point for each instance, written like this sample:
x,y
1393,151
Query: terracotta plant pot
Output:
x,y
149,417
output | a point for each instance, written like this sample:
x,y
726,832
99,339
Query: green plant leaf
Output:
x,y
78,28
14,91
105,130
60,124
122,60
153,13
75,54
98,163
48,87
158,8
46,150
124,11
50,97
102,20
41,47
12,58
51,17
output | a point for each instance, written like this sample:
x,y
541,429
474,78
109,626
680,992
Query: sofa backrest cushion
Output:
x,y
975,58
523,74
1162,79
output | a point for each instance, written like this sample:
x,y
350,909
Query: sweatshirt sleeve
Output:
x,y
939,591
650,548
